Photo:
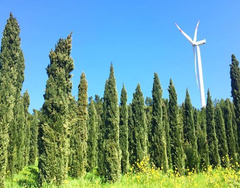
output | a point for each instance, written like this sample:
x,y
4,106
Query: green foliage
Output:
x,y
123,131
131,144
235,85
112,155
11,79
28,177
221,136
55,123
228,119
177,152
34,126
167,131
201,132
92,137
190,140
214,157
79,134
158,145
26,103
139,125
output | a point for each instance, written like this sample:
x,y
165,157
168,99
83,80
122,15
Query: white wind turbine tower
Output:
x,y
195,45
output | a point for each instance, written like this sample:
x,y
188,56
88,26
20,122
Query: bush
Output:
x,y
28,177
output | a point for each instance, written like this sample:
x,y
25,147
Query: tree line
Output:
x,y
70,137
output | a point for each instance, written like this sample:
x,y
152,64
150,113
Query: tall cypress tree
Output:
x,y
203,149
234,125
26,103
177,153
167,131
54,126
221,136
139,125
190,139
131,144
158,146
214,157
235,85
34,125
11,59
79,132
229,131
20,122
123,131
92,137
101,133
112,161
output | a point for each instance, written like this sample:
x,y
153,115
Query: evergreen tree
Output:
x,y
229,131
131,144
139,125
92,137
214,157
11,59
79,132
235,130
190,139
101,133
235,85
221,136
26,103
34,125
203,149
167,131
54,126
112,160
177,153
148,114
158,146
123,131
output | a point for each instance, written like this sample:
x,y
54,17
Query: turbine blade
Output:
x,y
195,64
195,34
184,34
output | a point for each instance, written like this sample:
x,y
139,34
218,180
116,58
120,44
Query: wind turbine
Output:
x,y
195,45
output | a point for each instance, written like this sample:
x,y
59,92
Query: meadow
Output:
x,y
140,176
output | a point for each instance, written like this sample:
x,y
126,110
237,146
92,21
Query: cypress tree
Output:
x,y
11,59
203,149
20,122
131,144
177,153
214,157
229,131
26,103
92,137
101,133
221,136
234,125
79,133
148,115
235,91
190,139
34,125
158,146
139,125
54,126
167,131
111,153
123,131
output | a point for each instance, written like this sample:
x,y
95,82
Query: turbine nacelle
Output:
x,y
199,43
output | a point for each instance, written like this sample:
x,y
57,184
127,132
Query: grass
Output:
x,y
140,176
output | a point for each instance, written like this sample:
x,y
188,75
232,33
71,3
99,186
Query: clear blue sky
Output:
x,y
138,36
